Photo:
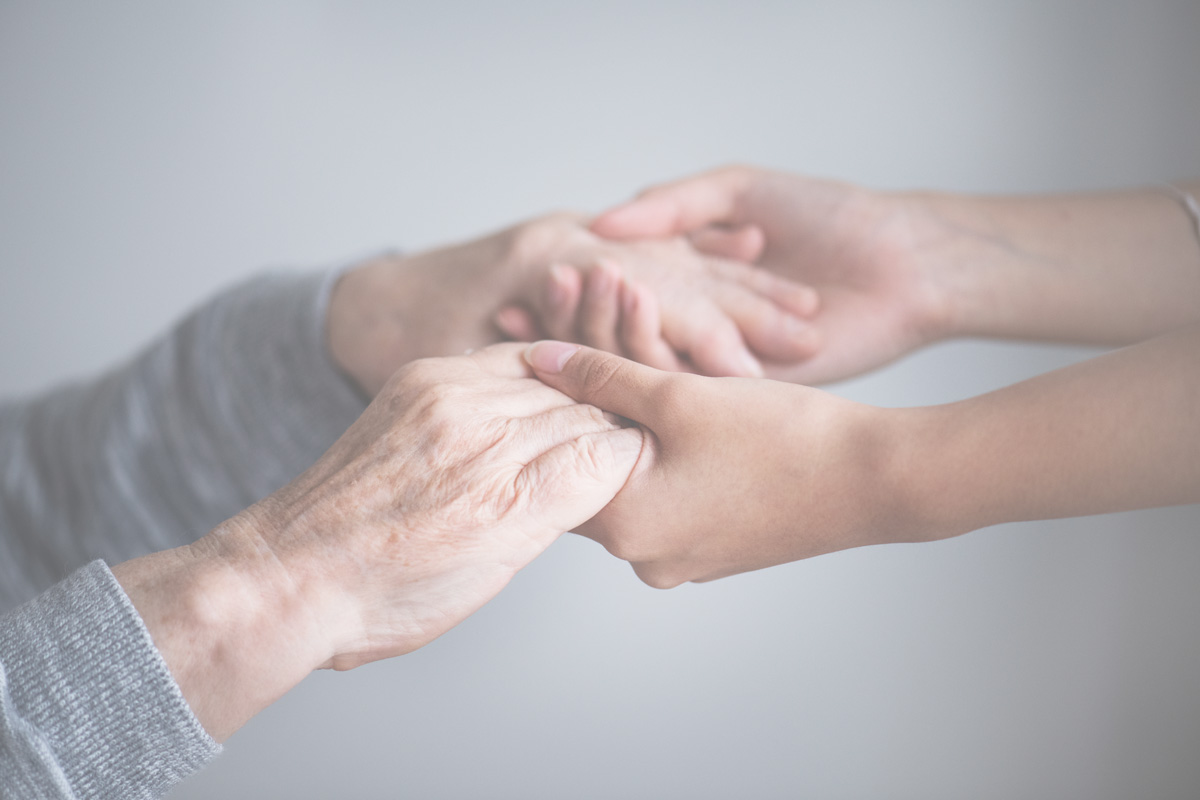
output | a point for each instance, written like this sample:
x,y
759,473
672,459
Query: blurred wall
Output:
x,y
151,153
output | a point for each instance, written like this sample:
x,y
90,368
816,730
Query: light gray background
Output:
x,y
152,153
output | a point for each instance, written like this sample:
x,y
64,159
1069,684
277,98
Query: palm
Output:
x,y
850,246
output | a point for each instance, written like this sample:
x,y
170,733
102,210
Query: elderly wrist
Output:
x,y
235,630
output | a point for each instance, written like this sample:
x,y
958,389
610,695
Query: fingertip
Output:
x,y
727,362
643,218
794,298
549,357
515,323
738,243
613,223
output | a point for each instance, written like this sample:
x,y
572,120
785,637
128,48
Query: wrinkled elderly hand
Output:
x,y
706,311
739,474
459,474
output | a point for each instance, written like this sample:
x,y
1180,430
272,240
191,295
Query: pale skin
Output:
x,y
899,270
459,474
745,474
463,470
551,276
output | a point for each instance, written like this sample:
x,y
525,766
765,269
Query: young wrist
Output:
x,y
940,250
930,458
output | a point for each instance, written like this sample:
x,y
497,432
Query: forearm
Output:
x,y
1115,433
1104,268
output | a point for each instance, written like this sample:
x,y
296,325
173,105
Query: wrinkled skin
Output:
x,y
459,474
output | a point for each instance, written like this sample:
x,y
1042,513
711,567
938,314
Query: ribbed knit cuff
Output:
x,y
82,684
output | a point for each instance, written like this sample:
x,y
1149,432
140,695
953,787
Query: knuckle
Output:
x,y
438,409
415,374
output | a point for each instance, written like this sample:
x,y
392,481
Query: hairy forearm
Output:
x,y
1115,433
1103,268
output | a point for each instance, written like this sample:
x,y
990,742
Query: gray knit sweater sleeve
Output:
x,y
231,404
88,708
228,406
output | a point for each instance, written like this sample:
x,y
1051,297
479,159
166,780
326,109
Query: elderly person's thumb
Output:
x,y
602,379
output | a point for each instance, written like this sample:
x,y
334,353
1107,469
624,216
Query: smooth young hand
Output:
x,y
739,474
856,248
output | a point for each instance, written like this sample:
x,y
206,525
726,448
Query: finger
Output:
x,y
739,242
569,484
602,379
517,324
502,360
713,343
599,312
771,332
641,329
527,437
561,298
793,296
680,207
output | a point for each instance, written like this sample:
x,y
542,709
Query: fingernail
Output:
x,y
750,364
549,357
